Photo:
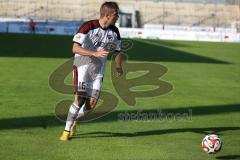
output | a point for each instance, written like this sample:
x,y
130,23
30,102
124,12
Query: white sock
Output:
x,y
83,111
72,114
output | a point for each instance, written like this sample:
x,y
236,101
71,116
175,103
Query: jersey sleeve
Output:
x,y
79,38
81,35
118,46
118,40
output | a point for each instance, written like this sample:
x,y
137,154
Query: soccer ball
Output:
x,y
211,143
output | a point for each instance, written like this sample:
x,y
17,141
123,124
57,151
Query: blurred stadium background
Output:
x,y
219,13
193,15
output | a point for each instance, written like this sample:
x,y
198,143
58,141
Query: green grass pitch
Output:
x,y
205,77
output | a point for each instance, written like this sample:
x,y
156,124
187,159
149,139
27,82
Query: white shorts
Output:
x,y
86,83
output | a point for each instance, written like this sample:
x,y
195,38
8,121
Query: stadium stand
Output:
x,y
217,13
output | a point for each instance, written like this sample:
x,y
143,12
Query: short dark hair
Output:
x,y
108,7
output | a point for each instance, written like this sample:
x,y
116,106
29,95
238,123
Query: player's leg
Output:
x,y
73,124
70,126
82,111
79,100
87,107
93,93
73,111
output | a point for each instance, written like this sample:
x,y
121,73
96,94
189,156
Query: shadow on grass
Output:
x,y
51,120
213,130
195,111
31,45
163,51
228,157
27,45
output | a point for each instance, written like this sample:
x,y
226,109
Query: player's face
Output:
x,y
113,18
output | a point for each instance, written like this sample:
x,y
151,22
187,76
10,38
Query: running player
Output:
x,y
91,47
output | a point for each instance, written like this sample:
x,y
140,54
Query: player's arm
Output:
x,y
118,54
80,38
77,49
118,62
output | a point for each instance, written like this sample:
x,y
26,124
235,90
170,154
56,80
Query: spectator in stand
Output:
x,y
32,25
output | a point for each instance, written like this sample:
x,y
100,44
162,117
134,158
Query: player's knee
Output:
x,y
91,104
79,101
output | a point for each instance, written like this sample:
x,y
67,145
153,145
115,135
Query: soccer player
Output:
x,y
91,47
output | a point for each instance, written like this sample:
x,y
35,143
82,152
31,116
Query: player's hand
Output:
x,y
100,53
119,71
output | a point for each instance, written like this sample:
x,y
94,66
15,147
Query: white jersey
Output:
x,y
93,37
